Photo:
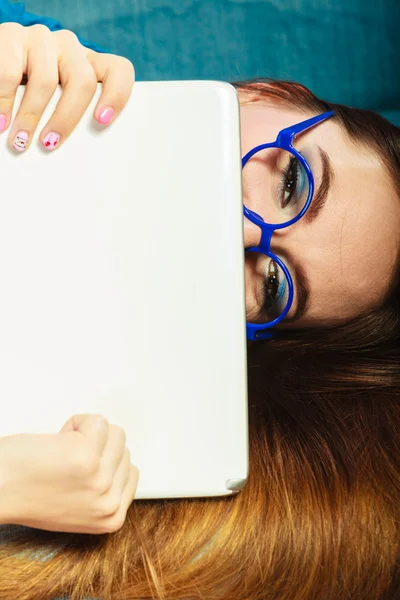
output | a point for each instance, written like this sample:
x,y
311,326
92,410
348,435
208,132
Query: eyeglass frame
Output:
x,y
284,141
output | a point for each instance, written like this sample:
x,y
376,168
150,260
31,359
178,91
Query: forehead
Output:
x,y
356,234
351,250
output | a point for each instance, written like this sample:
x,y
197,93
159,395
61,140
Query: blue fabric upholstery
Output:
x,y
392,115
344,50
15,13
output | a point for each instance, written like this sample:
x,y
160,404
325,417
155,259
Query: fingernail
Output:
x,y
51,140
21,141
106,115
3,121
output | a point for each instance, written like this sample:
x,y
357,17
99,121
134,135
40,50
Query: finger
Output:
x,y
94,427
118,76
79,85
73,423
11,70
68,426
125,486
42,72
114,451
128,495
116,520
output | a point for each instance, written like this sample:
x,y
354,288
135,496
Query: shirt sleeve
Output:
x,y
16,13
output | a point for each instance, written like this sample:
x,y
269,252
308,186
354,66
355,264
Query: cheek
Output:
x,y
254,180
255,266
260,179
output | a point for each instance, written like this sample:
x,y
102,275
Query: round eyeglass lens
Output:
x,y
267,288
275,185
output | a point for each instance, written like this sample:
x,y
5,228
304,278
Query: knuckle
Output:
x,y
11,28
103,483
39,29
9,79
48,84
119,433
126,63
67,36
65,121
92,462
85,463
135,473
133,479
110,506
28,116
89,83
115,523
98,418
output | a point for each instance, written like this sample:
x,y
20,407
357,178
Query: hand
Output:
x,y
47,59
80,480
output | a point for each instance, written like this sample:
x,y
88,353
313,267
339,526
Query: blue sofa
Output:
x,y
345,50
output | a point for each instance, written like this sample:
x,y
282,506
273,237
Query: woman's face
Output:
x,y
343,259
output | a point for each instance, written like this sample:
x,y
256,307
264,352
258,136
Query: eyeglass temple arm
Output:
x,y
300,127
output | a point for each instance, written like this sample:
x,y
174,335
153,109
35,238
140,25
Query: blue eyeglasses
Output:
x,y
291,196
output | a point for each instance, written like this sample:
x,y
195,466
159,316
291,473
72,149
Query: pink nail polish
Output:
x,y
3,121
51,140
106,115
21,141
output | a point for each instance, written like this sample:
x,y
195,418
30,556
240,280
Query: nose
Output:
x,y
252,234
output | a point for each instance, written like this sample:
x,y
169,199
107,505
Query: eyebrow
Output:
x,y
317,204
320,196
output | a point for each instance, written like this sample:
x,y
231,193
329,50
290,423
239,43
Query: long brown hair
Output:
x,y
319,518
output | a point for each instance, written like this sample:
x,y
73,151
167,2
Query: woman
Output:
x,y
319,517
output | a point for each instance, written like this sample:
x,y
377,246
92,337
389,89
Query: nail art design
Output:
x,y
21,141
51,140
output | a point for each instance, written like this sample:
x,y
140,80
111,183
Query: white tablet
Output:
x,y
122,286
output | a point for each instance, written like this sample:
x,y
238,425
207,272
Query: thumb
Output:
x,y
69,426
94,427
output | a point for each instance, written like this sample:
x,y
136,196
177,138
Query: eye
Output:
x,y
271,287
289,183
